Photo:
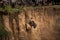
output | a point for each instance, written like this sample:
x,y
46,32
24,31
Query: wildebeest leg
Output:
x,y
42,3
1,4
37,2
13,5
29,2
34,2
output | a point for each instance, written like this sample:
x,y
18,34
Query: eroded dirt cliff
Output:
x,y
47,22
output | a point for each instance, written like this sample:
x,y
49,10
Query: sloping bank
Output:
x,y
47,20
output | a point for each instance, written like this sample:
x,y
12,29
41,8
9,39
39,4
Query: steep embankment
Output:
x,y
47,24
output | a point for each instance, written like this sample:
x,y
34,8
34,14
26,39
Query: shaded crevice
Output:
x,y
17,23
1,19
11,26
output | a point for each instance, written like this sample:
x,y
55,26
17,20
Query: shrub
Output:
x,y
3,32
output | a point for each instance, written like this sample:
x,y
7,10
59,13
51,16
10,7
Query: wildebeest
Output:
x,y
54,2
13,3
1,3
30,2
38,2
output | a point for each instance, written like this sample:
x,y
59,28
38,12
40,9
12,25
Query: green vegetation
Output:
x,y
9,9
3,32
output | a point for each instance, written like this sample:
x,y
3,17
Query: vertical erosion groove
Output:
x,y
16,25
11,26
